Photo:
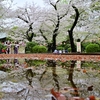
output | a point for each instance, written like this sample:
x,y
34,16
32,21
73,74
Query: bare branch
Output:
x,y
43,35
57,1
86,38
23,19
55,6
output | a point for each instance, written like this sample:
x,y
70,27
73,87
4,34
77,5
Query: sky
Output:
x,y
21,3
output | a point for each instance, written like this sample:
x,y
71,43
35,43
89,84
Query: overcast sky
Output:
x,y
21,3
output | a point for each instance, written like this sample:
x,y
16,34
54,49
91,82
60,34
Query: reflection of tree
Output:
x,y
73,49
55,78
51,63
29,76
44,72
70,78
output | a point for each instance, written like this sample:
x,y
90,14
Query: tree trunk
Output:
x,y
49,46
73,48
30,33
54,42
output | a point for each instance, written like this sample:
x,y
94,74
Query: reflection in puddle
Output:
x,y
66,78
70,78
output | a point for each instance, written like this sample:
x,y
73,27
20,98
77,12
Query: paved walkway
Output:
x,y
51,56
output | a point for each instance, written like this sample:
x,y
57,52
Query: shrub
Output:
x,y
67,46
98,44
29,46
35,62
60,48
69,49
83,46
2,47
39,49
92,47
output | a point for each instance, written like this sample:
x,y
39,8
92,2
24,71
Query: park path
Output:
x,y
51,56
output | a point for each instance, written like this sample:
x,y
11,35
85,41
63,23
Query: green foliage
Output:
x,y
29,47
69,49
72,16
83,46
64,45
99,46
2,46
65,1
2,62
95,6
92,47
60,48
36,62
2,68
67,46
91,64
69,26
15,28
10,39
98,42
39,49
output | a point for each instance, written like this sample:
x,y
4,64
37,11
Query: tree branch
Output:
x,y
43,35
27,14
66,11
23,19
54,5
57,25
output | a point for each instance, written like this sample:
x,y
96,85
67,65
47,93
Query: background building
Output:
x,y
3,36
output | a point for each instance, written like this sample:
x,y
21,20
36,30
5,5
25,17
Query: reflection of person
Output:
x,y
16,61
16,47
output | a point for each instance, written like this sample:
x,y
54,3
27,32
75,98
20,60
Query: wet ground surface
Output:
x,y
21,85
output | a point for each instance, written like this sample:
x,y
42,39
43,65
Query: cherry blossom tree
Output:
x,y
29,15
52,23
5,6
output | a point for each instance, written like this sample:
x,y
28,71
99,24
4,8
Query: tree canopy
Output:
x,y
33,23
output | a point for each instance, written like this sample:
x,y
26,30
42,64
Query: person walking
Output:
x,y
16,47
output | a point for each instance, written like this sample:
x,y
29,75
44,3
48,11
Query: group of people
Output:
x,y
60,51
11,47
